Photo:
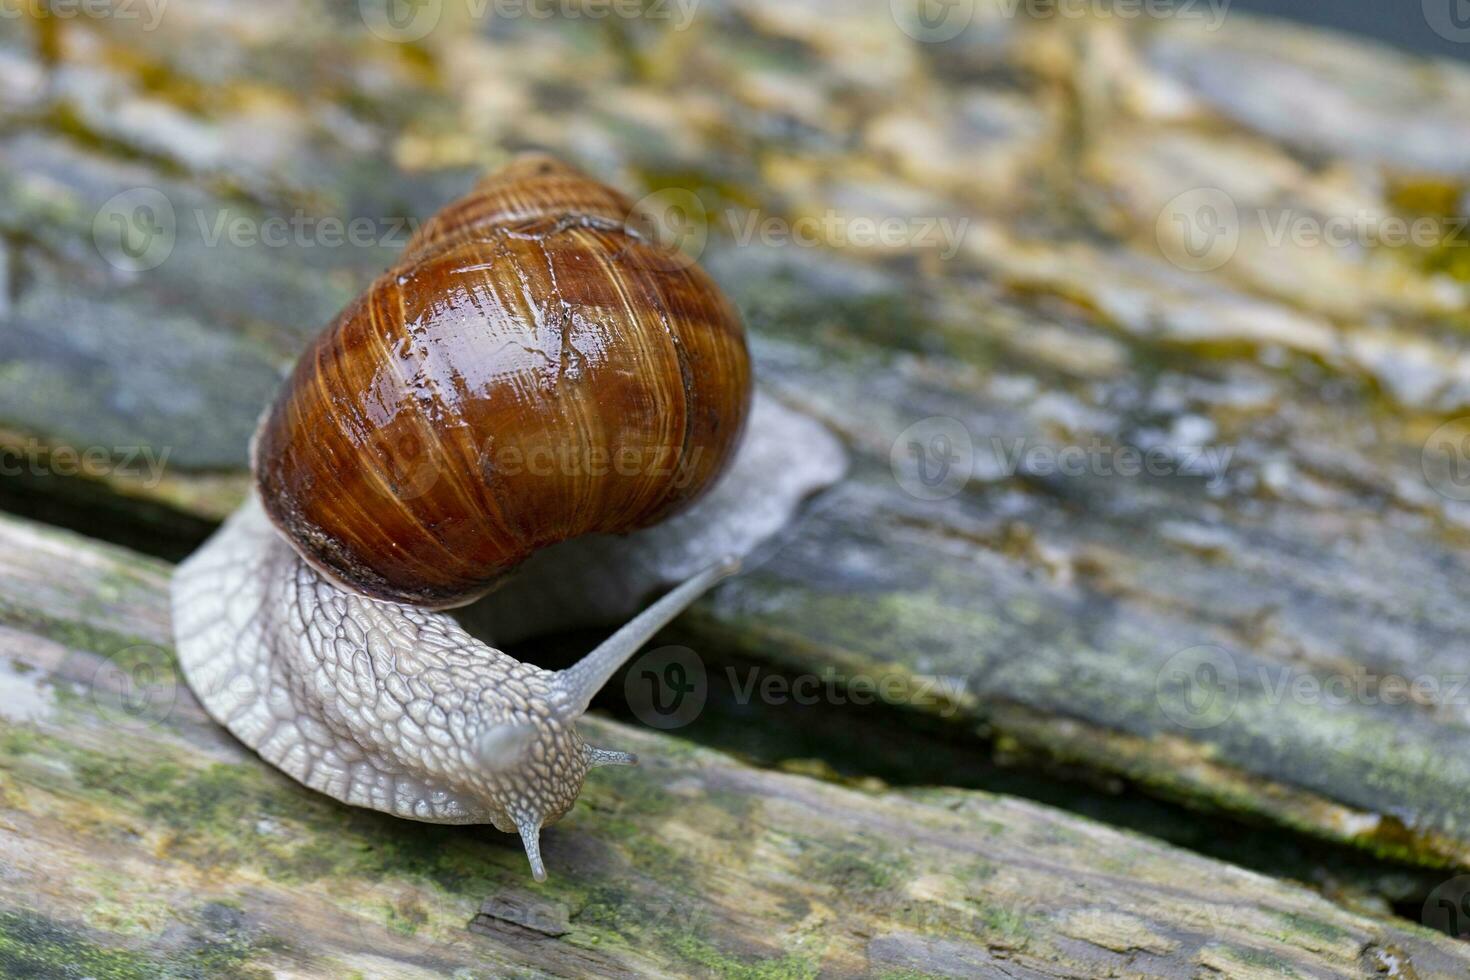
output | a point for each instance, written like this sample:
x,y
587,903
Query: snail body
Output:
x,y
533,380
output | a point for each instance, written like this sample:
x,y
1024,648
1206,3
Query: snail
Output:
x,y
536,407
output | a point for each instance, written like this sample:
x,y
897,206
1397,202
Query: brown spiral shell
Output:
x,y
530,371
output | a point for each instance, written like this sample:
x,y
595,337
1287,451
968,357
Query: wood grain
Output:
x,y
137,839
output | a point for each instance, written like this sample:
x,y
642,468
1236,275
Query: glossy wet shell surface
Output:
x,y
508,387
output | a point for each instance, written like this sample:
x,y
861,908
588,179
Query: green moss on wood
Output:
x,y
34,946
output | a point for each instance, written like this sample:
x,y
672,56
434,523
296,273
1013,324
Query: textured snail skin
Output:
x,y
396,708
419,449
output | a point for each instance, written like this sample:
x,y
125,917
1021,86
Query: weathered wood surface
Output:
x,y
1331,547
139,840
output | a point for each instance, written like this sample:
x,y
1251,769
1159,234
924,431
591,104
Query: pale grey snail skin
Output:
x,y
398,709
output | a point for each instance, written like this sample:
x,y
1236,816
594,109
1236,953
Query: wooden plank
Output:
x,y
1321,552
137,839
